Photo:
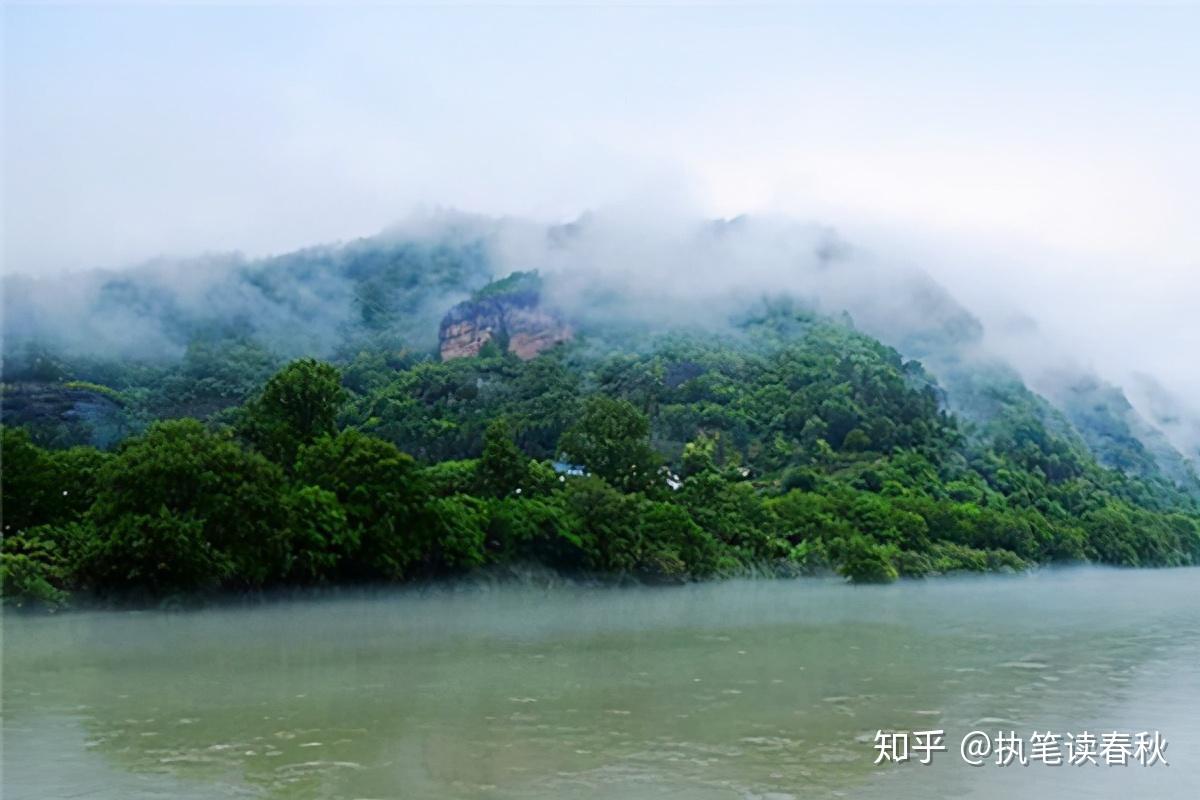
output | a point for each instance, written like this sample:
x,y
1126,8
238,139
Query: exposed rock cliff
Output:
x,y
508,313
64,415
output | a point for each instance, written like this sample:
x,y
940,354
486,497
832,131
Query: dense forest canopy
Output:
x,y
783,440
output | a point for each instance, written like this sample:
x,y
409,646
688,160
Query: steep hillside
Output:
x,y
798,445
196,338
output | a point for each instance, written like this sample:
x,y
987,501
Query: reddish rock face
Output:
x,y
515,318
462,339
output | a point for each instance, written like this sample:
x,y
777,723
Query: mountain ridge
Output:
x,y
404,291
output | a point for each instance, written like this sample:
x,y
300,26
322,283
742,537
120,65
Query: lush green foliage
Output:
x,y
611,441
183,508
800,446
296,407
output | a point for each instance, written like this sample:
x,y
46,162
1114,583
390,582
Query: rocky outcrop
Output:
x,y
64,415
511,316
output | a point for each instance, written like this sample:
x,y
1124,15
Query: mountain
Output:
x,y
434,286
748,397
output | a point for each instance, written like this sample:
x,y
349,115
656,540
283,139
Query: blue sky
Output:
x,y
1043,154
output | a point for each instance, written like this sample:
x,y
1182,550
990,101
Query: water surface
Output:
x,y
769,689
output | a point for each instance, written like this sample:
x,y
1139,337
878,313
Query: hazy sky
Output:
x,y
1044,156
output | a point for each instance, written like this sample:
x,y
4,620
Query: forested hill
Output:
x,y
782,440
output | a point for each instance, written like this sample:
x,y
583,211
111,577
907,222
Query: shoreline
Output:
x,y
505,579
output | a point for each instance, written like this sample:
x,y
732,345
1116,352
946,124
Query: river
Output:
x,y
741,689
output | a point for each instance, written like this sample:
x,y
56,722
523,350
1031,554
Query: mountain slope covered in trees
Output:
x,y
783,440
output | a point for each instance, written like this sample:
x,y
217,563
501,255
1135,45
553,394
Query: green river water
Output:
x,y
765,689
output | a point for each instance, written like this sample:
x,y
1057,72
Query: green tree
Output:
x,y
318,535
670,536
447,478
31,493
460,523
732,512
538,530
298,404
856,440
45,487
77,474
698,455
33,569
503,469
607,522
612,440
384,498
865,561
181,508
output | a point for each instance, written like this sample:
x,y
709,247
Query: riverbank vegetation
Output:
x,y
798,446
